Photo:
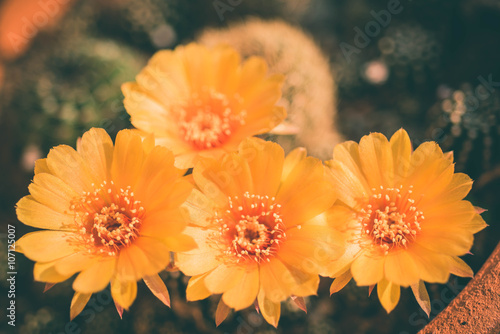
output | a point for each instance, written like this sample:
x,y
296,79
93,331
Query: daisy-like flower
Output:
x,y
257,222
203,102
403,214
112,214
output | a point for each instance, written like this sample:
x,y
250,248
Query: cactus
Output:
x,y
309,91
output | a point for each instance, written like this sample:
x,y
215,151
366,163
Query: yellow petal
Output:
x,y
41,166
446,239
97,151
376,160
265,161
223,278
243,294
388,294
69,166
400,268
128,158
46,272
368,269
270,310
74,263
291,160
276,280
196,288
96,277
422,297
78,304
401,152
52,192
158,288
201,209
432,267
305,193
201,259
164,223
253,72
46,246
123,292
179,243
340,282
460,268
35,214
144,257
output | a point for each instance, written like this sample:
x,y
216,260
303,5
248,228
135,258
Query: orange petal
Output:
x,y
74,263
96,277
291,161
422,297
180,243
221,313
158,288
276,280
164,223
432,267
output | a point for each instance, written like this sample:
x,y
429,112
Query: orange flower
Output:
x,y
259,227
203,102
404,214
113,214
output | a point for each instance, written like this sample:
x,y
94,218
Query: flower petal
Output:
x,y
368,269
196,288
123,292
388,294
422,297
376,160
78,304
46,272
96,277
243,294
158,288
223,278
46,246
270,310
97,151
35,214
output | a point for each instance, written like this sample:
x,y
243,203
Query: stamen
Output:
x,y
208,120
393,220
250,231
108,219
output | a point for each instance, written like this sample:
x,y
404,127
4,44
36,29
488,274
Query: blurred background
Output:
x,y
352,67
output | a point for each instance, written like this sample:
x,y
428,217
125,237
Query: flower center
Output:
x,y
108,219
251,229
391,218
208,119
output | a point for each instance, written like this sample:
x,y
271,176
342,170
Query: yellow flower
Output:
x,y
113,214
203,102
257,222
404,216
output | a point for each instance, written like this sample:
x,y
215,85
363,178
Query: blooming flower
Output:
x,y
404,216
112,213
203,102
257,223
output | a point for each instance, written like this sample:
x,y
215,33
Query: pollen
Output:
x,y
391,219
107,218
250,229
208,119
